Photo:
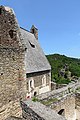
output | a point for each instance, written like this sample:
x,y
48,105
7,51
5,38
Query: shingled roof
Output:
x,y
35,58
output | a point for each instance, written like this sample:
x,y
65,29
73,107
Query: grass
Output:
x,y
35,99
48,102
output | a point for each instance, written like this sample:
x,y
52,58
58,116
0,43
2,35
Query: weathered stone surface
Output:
x,y
77,105
15,118
13,80
12,108
37,111
68,105
12,65
66,100
60,92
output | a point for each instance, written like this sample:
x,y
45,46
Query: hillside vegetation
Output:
x,y
58,63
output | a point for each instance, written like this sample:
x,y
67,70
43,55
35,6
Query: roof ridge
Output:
x,y
25,29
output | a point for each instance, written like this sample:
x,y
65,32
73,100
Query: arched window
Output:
x,y
44,80
31,85
35,93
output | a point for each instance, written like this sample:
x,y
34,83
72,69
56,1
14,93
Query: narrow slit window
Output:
x,y
11,33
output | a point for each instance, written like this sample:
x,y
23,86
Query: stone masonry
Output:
x,y
15,79
77,105
36,111
38,85
64,99
12,65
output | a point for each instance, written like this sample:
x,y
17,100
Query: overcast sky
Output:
x,y
58,22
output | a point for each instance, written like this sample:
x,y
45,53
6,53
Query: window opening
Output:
x,y
35,93
44,81
31,83
61,112
11,33
31,44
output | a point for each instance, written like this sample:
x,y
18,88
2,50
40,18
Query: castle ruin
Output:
x,y
24,69
25,72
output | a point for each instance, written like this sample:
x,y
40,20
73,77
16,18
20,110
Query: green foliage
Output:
x,y
48,102
58,61
35,99
62,80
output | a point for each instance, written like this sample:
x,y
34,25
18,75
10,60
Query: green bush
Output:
x,y
62,81
35,99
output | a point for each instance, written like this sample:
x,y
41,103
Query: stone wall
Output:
x,y
14,118
68,105
64,99
9,29
69,89
62,102
77,106
36,111
12,65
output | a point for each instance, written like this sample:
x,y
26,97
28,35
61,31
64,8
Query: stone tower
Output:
x,y
12,65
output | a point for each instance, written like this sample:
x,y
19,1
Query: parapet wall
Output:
x,y
69,89
37,111
64,99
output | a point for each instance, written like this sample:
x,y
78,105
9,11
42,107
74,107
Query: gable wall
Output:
x,y
12,66
12,80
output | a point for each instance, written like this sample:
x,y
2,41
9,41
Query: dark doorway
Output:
x,y
35,93
61,112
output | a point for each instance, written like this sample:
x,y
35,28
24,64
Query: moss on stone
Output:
x,y
48,102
